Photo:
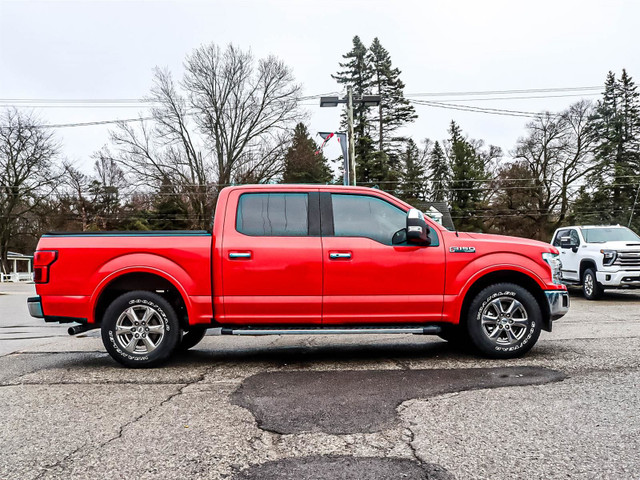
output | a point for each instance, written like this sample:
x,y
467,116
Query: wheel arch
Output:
x,y
508,276
137,279
586,263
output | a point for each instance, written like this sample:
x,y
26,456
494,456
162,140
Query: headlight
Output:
x,y
554,262
608,256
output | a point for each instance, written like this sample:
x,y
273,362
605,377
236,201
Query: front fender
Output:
x,y
462,280
493,263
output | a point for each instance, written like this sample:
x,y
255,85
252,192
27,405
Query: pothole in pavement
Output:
x,y
344,468
356,401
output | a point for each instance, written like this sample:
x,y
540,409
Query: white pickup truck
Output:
x,y
598,257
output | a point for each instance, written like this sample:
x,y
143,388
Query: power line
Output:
x,y
308,97
468,108
117,104
91,101
515,98
101,122
506,92
146,103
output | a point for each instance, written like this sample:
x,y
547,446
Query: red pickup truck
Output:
x,y
304,260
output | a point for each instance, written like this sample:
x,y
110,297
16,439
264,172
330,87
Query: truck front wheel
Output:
x,y
590,287
140,329
504,321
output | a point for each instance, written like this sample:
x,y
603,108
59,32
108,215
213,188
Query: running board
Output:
x,y
418,330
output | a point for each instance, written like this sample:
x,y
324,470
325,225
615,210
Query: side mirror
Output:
x,y
568,242
417,228
565,242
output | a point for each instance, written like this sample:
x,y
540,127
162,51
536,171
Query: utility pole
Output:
x,y
634,206
352,147
367,101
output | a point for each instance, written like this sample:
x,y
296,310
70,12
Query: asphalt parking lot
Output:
x,y
352,407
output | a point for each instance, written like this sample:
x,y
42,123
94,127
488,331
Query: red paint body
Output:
x,y
288,280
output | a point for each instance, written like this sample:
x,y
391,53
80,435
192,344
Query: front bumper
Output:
x,y
35,307
558,303
622,278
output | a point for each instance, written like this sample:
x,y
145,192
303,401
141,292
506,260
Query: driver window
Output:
x,y
365,216
559,235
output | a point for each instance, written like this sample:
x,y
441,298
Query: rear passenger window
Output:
x,y
273,214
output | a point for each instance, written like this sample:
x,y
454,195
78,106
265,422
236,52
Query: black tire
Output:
x,y
140,329
504,321
591,289
191,338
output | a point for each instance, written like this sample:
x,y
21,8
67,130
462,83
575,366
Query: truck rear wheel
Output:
x,y
191,338
504,321
590,287
140,329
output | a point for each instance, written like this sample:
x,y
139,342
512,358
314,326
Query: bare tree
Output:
x,y
223,123
578,161
74,193
108,188
27,172
557,154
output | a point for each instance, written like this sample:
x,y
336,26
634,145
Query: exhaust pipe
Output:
x,y
76,329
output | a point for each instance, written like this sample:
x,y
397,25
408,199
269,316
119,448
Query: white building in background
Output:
x,y
20,268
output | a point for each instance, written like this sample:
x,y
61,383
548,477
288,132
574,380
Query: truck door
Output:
x,y
272,258
366,278
569,255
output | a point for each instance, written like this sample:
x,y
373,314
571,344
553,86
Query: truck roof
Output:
x,y
309,186
591,226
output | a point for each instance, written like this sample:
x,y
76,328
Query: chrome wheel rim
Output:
x,y
139,330
504,321
588,285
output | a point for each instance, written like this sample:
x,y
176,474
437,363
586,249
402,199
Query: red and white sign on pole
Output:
x,y
342,140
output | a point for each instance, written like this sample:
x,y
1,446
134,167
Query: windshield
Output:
x,y
613,234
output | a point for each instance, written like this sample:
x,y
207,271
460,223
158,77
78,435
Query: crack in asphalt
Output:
x,y
57,384
408,439
61,463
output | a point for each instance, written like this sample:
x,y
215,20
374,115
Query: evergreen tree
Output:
x,y
302,165
394,110
169,211
468,172
440,174
616,127
413,176
357,73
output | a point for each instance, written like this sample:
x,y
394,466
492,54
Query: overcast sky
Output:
x,y
107,49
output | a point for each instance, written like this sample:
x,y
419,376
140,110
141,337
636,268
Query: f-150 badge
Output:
x,y
462,249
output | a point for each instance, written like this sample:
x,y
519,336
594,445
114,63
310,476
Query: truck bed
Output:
x,y
88,261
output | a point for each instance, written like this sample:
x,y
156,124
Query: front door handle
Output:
x,y
334,256
244,255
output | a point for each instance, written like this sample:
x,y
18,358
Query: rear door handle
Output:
x,y
336,255
244,255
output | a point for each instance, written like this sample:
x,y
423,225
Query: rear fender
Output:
x,y
139,263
